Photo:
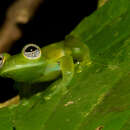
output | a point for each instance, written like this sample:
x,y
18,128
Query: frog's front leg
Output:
x,y
60,86
67,68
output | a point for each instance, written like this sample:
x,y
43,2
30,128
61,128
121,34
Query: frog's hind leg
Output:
x,y
79,51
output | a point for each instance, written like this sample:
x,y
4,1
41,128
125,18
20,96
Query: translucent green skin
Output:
x,y
56,59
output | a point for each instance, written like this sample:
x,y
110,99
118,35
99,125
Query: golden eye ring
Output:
x,y
31,51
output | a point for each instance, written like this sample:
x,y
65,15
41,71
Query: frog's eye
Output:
x,y
31,51
1,60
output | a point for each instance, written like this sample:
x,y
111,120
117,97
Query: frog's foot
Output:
x,y
56,88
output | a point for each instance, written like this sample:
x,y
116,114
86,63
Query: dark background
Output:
x,y
51,22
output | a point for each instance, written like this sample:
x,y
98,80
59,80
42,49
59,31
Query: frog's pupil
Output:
x,y
30,49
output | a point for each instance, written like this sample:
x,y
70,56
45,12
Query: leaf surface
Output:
x,y
98,97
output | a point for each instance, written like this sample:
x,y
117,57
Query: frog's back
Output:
x,y
54,51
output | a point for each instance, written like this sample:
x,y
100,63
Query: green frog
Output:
x,y
35,64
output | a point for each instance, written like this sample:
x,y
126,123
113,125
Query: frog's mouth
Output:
x,y
18,67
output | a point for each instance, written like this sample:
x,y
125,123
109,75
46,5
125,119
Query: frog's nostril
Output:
x,y
31,51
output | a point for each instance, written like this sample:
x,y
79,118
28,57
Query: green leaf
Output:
x,y
98,97
6,119
101,3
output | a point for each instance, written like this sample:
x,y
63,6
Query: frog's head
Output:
x,y
27,66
